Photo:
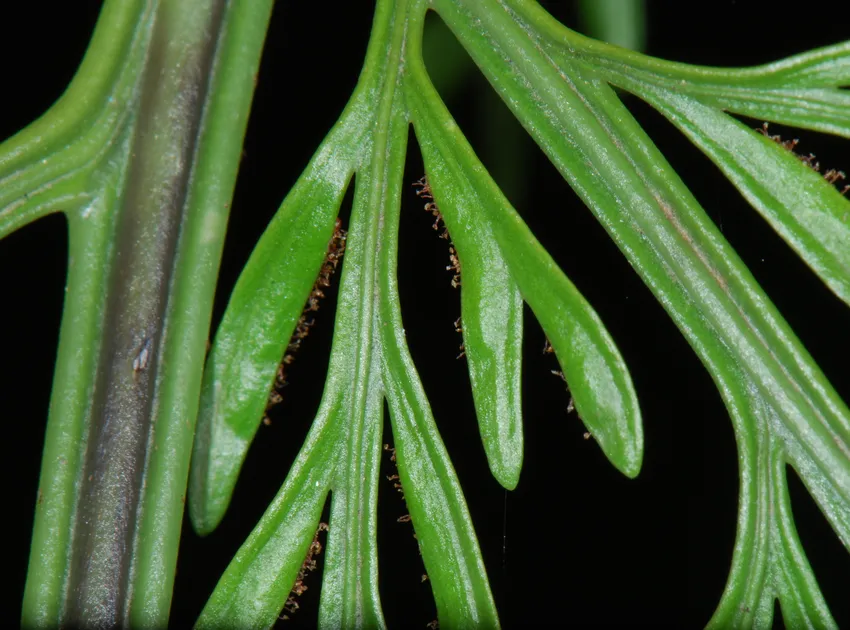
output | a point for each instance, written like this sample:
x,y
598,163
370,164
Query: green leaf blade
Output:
x,y
805,210
432,492
435,500
350,596
491,315
800,91
255,331
601,386
768,562
491,323
608,159
256,584
47,167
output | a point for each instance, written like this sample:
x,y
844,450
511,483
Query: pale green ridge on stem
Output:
x,y
79,343
131,375
349,585
33,164
141,153
350,597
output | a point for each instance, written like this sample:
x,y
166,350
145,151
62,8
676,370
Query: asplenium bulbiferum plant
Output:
x,y
141,155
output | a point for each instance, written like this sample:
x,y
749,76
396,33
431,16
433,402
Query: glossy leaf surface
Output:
x,y
83,159
601,387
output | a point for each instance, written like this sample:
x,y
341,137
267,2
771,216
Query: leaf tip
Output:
x,y
625,452
508,477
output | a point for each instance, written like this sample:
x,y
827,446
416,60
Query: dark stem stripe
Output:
x,y
173,92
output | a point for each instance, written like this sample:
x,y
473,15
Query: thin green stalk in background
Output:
x,y
615,21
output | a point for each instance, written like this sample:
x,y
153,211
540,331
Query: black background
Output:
x,y
576,543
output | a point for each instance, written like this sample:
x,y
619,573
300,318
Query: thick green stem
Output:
x,y
173,91
144,260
